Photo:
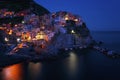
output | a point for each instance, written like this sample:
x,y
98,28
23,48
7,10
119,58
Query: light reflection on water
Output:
x,y
93,66
13,72
34,70
72,63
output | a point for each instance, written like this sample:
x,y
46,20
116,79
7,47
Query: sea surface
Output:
x,y
79,65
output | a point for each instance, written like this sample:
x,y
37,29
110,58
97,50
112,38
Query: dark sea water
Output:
x,y
82,65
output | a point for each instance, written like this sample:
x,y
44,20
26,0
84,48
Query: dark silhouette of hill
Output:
x,y
18,5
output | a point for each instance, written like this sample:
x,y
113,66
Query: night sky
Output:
x,y
99,15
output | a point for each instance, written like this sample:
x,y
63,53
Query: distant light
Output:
x,y
43,27
40,36
4,14
29,38
66,18
18,39
76,20
72,31
22,14
23,22
16,25
10,32
6,39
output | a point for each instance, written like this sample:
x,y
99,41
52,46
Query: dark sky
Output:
x,y
98,14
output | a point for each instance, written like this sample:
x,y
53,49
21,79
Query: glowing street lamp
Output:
x,y
23,22
10,32
76,20
72,31
6,39
66,17
18,40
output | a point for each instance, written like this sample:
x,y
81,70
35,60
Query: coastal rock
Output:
x,y
31,27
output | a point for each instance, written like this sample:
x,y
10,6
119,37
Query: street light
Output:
x,y
23,22
72,31
18,40
66,17
6,39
